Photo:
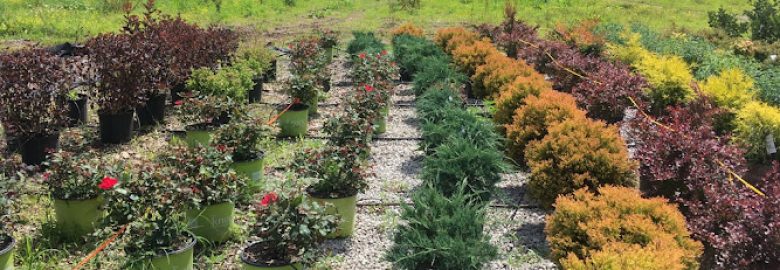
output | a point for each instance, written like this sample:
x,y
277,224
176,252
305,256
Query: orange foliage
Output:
x,y
578,153
450,38
581,35
498,71
513,94
531,121
468,57
408,29
618,229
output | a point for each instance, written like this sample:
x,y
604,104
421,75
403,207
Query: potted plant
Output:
x,y
202,115
340,173
244,138
308,65
374,73
148,208
77,108
258,60
8,194
215,188
33,101
328,40
288,227
75,183
294,121
352,128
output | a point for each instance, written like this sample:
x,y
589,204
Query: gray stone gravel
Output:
x,y
396,168
519,235
371,239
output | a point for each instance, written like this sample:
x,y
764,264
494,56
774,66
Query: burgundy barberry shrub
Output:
x,y
606,96
578,153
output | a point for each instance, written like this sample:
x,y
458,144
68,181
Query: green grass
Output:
x,y
51,21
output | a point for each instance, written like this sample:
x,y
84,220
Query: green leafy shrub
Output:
x,y
618,229
256,58
512,96
436,71
434,103
753,124
459,159
441,233
768,83
531,121
411,53
670,80
457,122
578,153
726,22
231,81
364,42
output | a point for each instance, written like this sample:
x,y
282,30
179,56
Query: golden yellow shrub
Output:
x,y
512,96
531,121
731,89
754,122
631,52
468,57
408,29
669,77
498,71
618,229
450,38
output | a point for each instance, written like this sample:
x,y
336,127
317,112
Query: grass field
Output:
x,y
50,21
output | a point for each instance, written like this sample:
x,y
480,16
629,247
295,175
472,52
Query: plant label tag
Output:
x,y
771,148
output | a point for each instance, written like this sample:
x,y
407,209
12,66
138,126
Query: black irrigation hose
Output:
x,y
374,138
399,105
495,205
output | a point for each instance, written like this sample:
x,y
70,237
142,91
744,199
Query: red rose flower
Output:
x,y
46,176
383,53
268,199
369,88
362,56
108,183
221,147
179,102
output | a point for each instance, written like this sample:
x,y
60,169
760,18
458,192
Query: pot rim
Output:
x,y
9,247
299,107
102,112
98,197
187,247
245,260
260,155
311,194
201,127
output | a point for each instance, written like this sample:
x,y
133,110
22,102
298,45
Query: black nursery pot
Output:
x,y
153,112
175,92
116,128
255,95
77,111
467,88
326,85
406,76
36,149
270,74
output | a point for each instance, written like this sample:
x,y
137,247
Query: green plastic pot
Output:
x,y
177,260
314,106
380,124
195,137
345,208
329,54
77,218
213,222
294,122
253,169
7,256
249,265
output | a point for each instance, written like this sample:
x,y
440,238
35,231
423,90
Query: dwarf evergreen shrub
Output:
x,y
618,229
732,89
411,53
512,96
753,124
468,57
497,71
450,38
408,29
578,154
459,159
364,42
441,233
670,80
457,122
768,83
436,71
434,103
531,121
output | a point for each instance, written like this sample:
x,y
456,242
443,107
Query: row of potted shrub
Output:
x,y
566,153
443,227
700,182
130,72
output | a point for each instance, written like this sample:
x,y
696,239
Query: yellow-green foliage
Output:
x,y
670,79
511,97
408,29
531,121
732,89
575,154
753,123
630,53
468,57
498,71
619,230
